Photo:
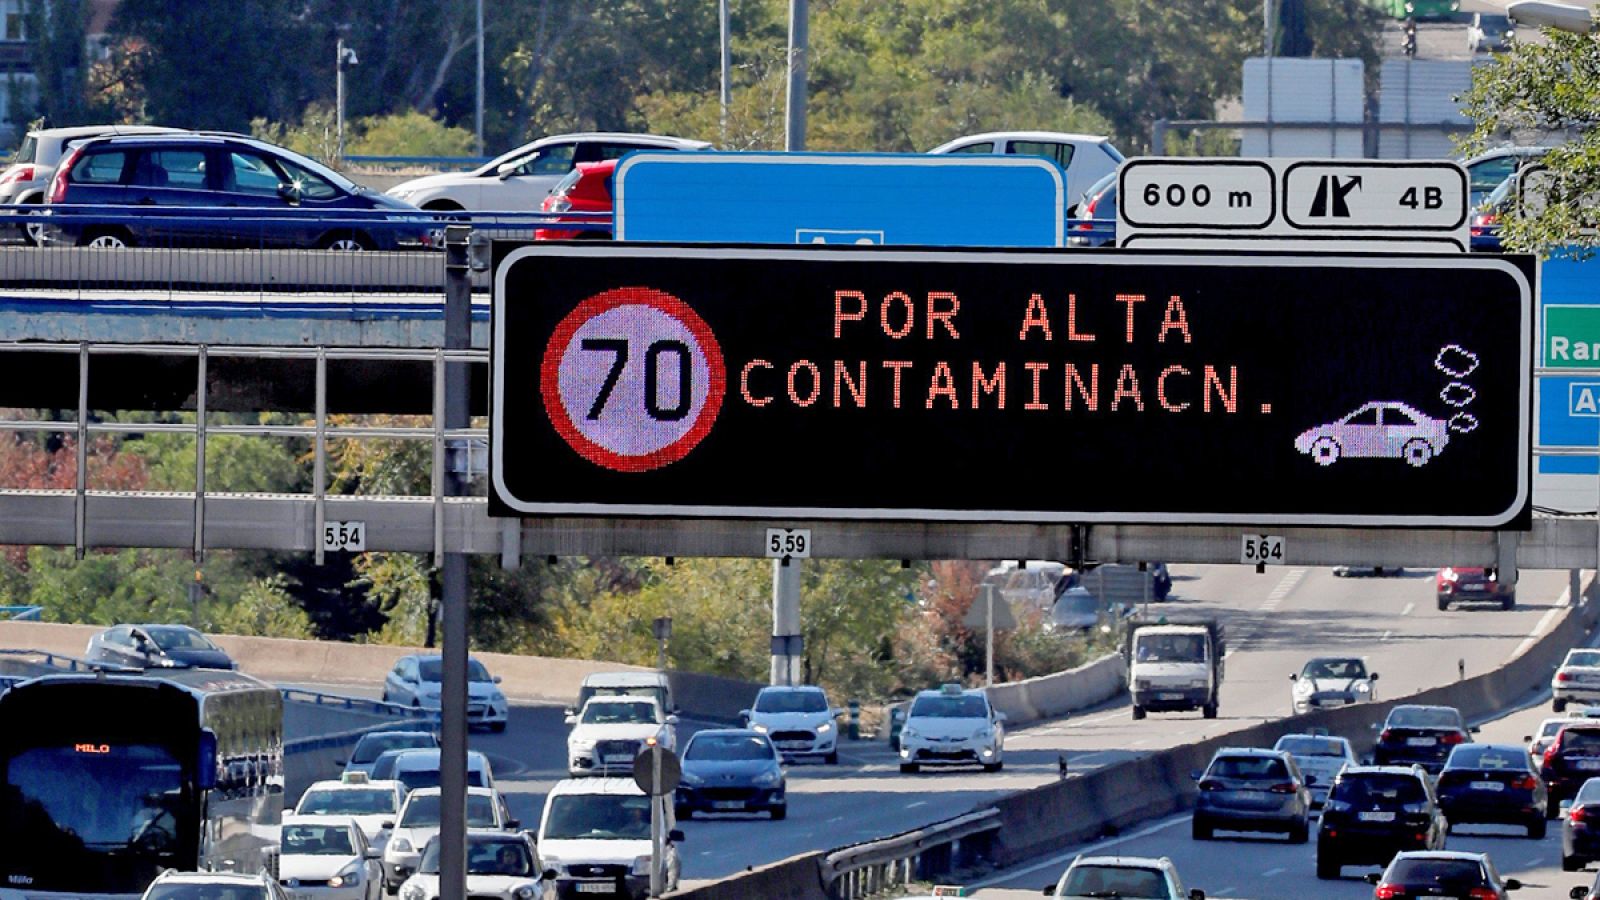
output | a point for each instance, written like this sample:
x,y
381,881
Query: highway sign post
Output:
x,y
947,200
874,384
1307,205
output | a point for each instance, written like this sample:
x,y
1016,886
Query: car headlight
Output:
x,y
412,891
824,728
1303,687
1141,685
1198,683
349,875
400,845
982,734
1363,688
641,865
690,778
908,732
580,746
553,862
524,892
768,778
758,726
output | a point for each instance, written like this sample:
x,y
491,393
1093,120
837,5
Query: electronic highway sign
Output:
x,y
1019,386
1306,205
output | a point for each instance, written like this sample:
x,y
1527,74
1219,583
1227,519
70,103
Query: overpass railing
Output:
x,y
21,613
862,870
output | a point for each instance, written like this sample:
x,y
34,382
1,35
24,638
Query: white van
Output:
x,y
595,832
420,769
648,684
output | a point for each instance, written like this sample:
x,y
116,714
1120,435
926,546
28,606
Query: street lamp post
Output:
x,y
344,57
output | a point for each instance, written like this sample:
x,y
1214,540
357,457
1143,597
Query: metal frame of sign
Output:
x,y
504,502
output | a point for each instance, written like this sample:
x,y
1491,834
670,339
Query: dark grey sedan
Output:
x,y
732,770
1247,789
152,646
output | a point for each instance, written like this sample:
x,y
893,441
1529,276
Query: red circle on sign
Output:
x,y
560,342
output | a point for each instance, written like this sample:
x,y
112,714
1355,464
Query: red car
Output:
x,y
1458,584
586,189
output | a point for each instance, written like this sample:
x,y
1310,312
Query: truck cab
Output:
x,y
1175,667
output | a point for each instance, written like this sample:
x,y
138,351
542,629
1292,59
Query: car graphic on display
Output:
x,y
1381,429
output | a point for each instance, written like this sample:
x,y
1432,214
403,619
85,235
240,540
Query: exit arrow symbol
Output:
x,y
1330,184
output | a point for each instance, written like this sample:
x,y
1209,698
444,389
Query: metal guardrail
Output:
x,y
67,663
21,613
362,704
862,870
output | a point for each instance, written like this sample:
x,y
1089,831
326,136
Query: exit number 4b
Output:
x,y
1261,549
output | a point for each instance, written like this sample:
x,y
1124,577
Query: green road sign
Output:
x,y
1572,337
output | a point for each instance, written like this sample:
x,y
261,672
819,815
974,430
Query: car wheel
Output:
x,y
1209,710
1508,603
1300,833
684,813
832,759
1328,867
106,238
1559,704
1325,451
908,768
345,241
1417,452
1571,863
1537,828
993,767
1200,829
779,813
497,727
1444,604
33,232
1552,809
1138,712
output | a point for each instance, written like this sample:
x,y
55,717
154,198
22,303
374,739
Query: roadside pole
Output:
x,y
453,583
786,640
988,635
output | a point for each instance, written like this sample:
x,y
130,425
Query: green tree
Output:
x,y
1539,93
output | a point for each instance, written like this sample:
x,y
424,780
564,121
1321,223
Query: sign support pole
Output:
x,y
658,814
453,599
794,137
786,621
988,635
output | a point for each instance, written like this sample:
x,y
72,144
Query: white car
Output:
x,y
418,680
1577,680
595,834
1085,158
419,823
27,179
372,804
1319,756
1489,32
1329,681
611,731
328,858
798,720
1540,740
175,885
952,727
500,865
419,768
521,179
1122,876
1384,430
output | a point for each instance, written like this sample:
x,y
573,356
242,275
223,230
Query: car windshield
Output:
x,y
383,766
1334,668
1584,658
1589,793
28,150
1170,648
727,747
1488,756
791,702
1492,25
191,891
965,706
1424,717
1247,767
429,777
619,712
422,811
1115,881
1379,788
600,816
1581,739
346,802
317,840
485,857
1449,873
432,669
1300,745
373,745
179,639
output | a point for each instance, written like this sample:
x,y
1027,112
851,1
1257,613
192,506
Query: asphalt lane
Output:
x,y
1249,866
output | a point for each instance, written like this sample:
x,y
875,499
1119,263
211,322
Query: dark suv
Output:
x,y
1571,760
231,191
1374,812
1423,735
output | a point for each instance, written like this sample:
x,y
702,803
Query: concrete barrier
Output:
x,y
1052,696
525,679
795,878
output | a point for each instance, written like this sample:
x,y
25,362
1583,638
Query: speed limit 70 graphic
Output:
x,y
632,379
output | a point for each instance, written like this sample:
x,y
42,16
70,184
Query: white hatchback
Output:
x,y
1085,158
328,858
521,179
798,720
500,865
419,823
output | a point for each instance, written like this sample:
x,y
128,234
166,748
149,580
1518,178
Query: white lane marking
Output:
x,y
1225,891
1271,872
834,819
1386,635
1091,850
916,804
1544,624
1408,609
1287,584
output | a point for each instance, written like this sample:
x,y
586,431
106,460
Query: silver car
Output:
x,y
1250,789
1319,756
1330,681
27,179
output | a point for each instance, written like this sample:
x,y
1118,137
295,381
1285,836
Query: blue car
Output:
x,y
219,190
731,770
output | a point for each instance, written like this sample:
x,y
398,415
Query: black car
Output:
x,y
1372,813
164,646
1572,759
731,770
1580,828
1442,873
1493,784
1423,735
219,190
